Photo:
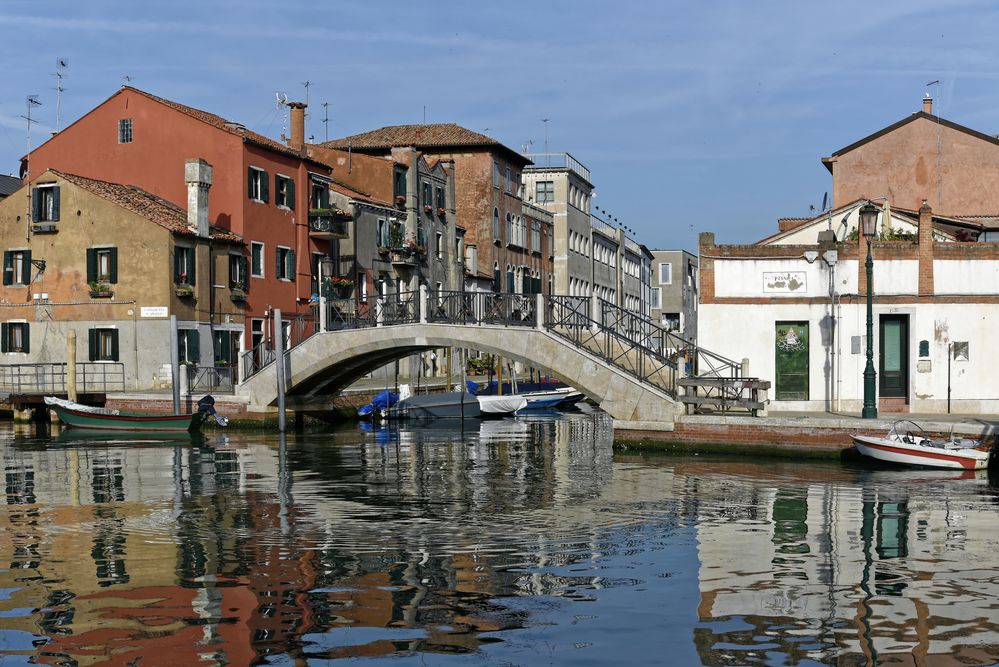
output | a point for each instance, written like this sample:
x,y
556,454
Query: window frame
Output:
x,y
257,184
100,335
546,194
439,245
284,192
285,255
184,350
262,258
190,275
45,202
125,134
669,271
7,333
17,267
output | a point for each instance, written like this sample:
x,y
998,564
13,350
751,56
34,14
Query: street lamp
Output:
x,y
869,223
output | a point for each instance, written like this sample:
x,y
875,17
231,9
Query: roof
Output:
x,y
8,185
827,161
430,135
357,195
156,209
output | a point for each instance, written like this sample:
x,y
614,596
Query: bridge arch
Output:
x,y
329,361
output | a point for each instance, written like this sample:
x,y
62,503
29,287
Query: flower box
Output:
x,y
441,212
428,209
237,294
400,201
101,290
184,291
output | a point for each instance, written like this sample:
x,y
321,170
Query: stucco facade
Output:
x,y
674,287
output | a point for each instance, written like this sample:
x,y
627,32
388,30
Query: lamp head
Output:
x,y
869,219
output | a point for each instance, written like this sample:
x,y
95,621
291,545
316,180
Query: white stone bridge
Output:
x,y
625,364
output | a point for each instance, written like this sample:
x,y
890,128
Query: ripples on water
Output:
x,y
520,542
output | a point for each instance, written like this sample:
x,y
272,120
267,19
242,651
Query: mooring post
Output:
x,y
423,304
71,365
174,365
539,317
279,367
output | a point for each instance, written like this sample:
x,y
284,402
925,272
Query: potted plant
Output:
x,y
428,209
184,291
341,287
441,212
237,291
400,201
343,214
383,250
101,290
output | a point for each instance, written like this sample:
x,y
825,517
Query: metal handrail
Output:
x,y
262,354
483,308
216,379
40,378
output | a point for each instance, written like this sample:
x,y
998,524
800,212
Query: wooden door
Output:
x,y
893,374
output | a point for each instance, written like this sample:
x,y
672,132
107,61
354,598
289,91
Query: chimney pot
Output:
x,y
297,139
928,105
198,175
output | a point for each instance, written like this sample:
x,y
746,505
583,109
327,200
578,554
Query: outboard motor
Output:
x,y
207,405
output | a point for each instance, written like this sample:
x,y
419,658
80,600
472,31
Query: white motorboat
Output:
x,y
907,444
501,405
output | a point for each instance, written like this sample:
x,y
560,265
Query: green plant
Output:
x,y
100,287
341,282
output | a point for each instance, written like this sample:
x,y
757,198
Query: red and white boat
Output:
x,y
914,448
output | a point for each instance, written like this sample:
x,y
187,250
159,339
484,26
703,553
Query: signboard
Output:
x,y
784,282
153,311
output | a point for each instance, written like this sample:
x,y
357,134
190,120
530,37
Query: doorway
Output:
x,y
893,358
791,361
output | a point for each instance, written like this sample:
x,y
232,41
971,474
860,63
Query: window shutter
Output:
x,y
8,267
249,182
26,338
55,203
92,265
26,267
291,265
245,264
36,205
278,262
264,185
291,194
4,336
114,345
192,264
113,261
194,346
92,343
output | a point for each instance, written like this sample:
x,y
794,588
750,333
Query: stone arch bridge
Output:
x,y
626,364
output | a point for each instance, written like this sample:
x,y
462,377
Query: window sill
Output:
x,y
281,207
257,201
260,276
16,354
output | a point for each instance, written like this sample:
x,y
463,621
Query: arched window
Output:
x,y
509,280
496,225
497,278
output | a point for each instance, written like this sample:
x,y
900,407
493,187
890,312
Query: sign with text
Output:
x,y
784,282
153,311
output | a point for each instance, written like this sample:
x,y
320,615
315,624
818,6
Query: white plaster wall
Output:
x,y
745,277
965,276
895,276
843,225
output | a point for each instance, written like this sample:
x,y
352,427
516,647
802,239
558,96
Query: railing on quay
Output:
x,y
213,379
50,378
483,308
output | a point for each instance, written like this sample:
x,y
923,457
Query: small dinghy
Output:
x,y
907,444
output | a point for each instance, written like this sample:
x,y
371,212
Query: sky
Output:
x,y
692,116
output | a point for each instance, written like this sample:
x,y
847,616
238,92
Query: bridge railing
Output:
x,y
482,308
50,378
299,329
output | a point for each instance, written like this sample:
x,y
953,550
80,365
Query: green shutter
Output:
x,y
291,265
245,265
194,346
26,338
92,265
176,264
55,204
264,186
113,262
278,260
26,267
249,182
8,267
192,254
114,345
4,336
36,205
291,194
92,343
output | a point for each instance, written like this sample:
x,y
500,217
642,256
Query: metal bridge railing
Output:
x,y
212,379
483,308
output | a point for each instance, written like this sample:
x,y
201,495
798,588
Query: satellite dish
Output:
x,y
825,200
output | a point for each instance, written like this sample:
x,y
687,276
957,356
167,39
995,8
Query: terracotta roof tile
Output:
x,y
156,209
431,135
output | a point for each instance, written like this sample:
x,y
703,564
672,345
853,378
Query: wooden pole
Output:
x,y
279,361
71,365
174,365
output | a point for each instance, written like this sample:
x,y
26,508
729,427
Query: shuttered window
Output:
x,y
256,184
17,267
103,344
14,337
45,203
102,265
183,265
284,260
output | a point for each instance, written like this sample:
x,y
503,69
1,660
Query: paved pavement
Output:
x,y
965,424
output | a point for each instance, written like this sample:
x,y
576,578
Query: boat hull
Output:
x,y
128,421
437,406
891,451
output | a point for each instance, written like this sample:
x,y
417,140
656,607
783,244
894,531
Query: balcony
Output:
x,y
329,223
560,161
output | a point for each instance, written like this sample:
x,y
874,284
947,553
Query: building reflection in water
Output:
x,y
353,543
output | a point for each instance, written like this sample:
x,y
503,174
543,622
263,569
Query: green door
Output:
x,y
791,365
893,376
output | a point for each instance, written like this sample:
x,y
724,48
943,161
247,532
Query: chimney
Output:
x,y
297,140
198,175
928,104
925,249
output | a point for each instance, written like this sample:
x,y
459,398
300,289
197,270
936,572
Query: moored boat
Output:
x,y
912,447
497,406
75,415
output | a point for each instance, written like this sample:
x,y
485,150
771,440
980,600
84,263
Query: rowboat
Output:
x,y
75,415
913,447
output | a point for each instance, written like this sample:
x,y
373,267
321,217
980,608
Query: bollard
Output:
x,y
279,367
71,365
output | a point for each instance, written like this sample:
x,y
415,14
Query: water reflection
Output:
x,y
521,541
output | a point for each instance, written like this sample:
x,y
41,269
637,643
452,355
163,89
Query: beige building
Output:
x,y
112,262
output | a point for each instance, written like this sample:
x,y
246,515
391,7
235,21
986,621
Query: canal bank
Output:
x,y
791,434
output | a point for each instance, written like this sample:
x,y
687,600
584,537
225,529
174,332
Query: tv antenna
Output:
x,y
128,79
60,74
548,158
30,101
326,120
281,101
939,147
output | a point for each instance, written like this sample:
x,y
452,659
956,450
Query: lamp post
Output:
x,y
869,223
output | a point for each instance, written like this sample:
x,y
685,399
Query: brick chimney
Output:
x,y
925,249
297,139
928,104
198,175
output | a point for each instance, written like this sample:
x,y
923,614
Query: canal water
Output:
x,y
523,542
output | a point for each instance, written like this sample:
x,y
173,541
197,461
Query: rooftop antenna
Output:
x,y
128,79
424,114
281,100
937,114
548,159
326,120
30,101
60,74
305,115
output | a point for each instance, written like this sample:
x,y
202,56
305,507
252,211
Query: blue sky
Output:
x,y
704,115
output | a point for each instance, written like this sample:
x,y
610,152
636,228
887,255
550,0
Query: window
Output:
x,y
399,183
545,191
285,263
256,184
671,321
319,194
45,203
665,274
256,259
509,180
496,224
188,346
284,191
439,246
428,194
496,174
440,197
510,238
497,284
14,338
227,346
17,267
657,298
382,233
237,272
102,265
103,344
183,265
125,131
